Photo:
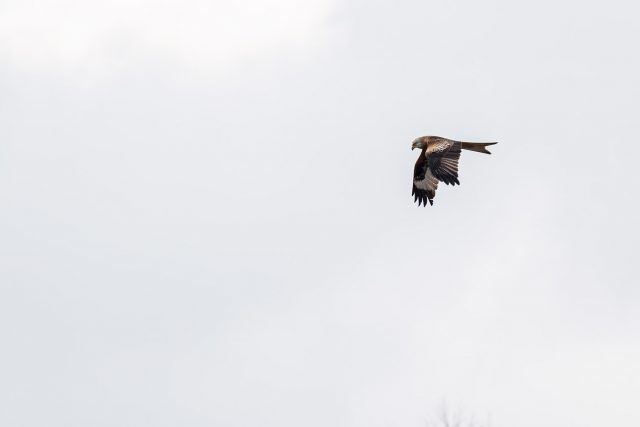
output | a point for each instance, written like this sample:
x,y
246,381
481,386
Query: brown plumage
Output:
x,y
438,161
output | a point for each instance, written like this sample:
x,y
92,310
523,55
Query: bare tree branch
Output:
x,y
446,417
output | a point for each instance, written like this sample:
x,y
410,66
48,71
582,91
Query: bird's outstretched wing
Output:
x,y
442,157
425,183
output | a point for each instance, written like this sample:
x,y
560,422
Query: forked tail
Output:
x,y
477,146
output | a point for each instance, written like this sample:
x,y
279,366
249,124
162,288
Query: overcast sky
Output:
x,y
206,214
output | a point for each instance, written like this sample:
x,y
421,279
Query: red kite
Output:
x,y
438,161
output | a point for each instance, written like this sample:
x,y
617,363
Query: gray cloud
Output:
x,y
244,249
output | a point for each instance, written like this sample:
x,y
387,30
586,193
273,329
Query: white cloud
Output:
x,y
98,36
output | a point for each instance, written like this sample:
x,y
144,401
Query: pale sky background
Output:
x,y
207,217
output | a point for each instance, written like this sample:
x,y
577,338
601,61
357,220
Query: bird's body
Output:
x,y
438,161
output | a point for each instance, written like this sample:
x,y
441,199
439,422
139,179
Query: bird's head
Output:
x,y
419,143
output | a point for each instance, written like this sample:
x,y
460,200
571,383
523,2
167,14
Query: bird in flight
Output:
x,y
438,161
